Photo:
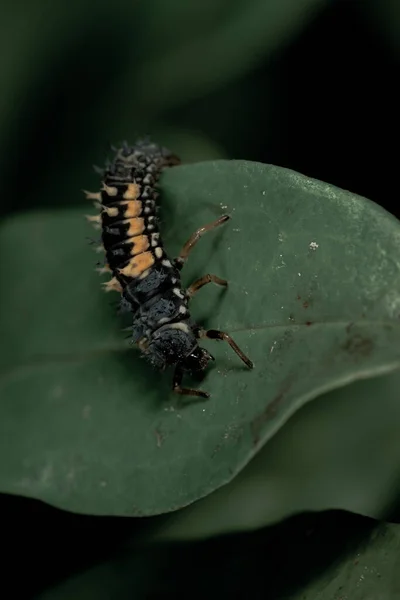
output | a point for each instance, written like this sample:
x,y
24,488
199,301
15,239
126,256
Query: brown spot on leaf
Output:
x,y
306,304
358,345
216,450
268,413
308,323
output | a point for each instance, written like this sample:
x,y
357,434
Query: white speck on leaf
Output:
x,y
299,274
86,411
273,346
57,391
46,475
313,245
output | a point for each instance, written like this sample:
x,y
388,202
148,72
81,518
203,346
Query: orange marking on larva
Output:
x,y
133,208
110,191
136,227
138,264
133,192
112,211
92,195
112,286
140,244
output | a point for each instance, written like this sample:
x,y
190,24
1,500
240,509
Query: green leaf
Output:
x,y
313,300
341,451
328,556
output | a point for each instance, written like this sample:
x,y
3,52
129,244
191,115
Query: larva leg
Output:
x,y
194,238
199,283
214,334
176,386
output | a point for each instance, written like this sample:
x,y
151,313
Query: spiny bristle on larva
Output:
x,y
112,211
112,286
92,195
102,270
111,191
93,218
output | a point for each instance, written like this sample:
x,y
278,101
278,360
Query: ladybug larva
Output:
x,y
148,280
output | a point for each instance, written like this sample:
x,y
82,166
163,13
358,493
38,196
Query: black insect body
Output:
x,y
149,282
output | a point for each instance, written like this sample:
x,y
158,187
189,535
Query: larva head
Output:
x,y
170,345
197,360
176,343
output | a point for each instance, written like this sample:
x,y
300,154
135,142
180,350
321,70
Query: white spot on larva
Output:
x,y
163,320
150,227
158,252
182,309
166,263
181,326
178,293
313,245
147,210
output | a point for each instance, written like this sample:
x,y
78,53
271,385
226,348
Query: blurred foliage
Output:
x,y
328,556
310,85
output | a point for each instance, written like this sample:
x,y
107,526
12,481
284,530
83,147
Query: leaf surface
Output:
x,y
314,300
